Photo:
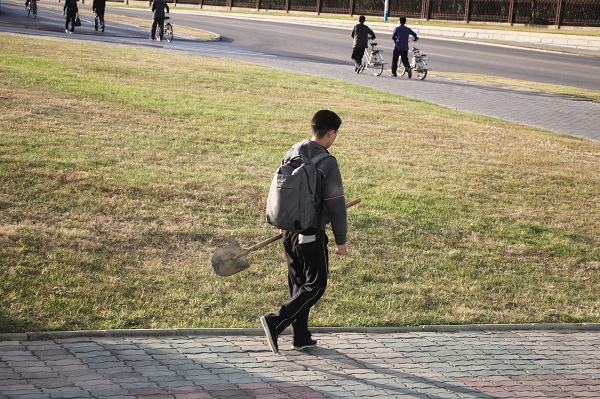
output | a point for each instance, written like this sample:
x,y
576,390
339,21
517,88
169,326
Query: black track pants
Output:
x,y
307,280
403,55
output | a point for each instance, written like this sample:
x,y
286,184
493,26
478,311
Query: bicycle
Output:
x,y
373,60
31,7
418,64
168,34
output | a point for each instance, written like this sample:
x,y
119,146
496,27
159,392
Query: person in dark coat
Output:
x,y
158,10
361,34
306,252
71,11
98,8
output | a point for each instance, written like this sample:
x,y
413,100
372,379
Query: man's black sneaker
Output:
x,y
270,333
309,343
393,75
409,73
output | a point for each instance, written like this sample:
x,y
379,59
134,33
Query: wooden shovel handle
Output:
x,y
278,236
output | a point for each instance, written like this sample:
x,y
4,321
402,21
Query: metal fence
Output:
x,y
533,12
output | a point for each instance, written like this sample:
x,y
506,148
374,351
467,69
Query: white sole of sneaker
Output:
x,y
263,321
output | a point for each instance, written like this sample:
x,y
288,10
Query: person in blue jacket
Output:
x,y
400,38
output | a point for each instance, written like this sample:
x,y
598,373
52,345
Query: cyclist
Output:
x,y
400,38
361,34
158,9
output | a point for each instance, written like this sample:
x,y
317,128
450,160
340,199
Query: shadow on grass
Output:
x,y
9,324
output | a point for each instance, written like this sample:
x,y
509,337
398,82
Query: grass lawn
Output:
x,y
120,176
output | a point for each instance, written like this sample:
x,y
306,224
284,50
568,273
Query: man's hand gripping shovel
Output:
x,y
231,259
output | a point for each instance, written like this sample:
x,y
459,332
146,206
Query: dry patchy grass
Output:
x,y
116,191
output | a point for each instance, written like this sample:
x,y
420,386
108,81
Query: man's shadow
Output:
x,y
342,361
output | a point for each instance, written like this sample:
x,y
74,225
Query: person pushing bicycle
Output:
x,y
361,34
400,38
158,10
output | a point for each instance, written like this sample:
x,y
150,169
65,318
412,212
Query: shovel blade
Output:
x,y
225,261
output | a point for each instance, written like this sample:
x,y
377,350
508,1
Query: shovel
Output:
x,y
231,259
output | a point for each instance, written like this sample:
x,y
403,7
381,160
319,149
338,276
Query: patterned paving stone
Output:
x,y
436,365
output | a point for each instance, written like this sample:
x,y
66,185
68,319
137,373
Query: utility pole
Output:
x,y
386,10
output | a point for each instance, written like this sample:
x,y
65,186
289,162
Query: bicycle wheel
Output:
x,y
401,70
421,70
363,64
377,64
28,9
169,32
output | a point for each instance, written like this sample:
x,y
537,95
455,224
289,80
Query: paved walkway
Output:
x,y
424,365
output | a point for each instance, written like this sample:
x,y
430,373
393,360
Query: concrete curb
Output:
x,y
185,332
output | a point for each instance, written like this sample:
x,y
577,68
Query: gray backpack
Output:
x,y
293,202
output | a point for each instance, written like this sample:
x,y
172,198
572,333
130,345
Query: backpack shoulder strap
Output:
x,y
317,158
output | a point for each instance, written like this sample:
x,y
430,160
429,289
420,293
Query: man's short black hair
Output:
x,y
362,18
402,20
325,121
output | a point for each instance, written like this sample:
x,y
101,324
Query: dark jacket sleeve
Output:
x,y
372,33
334,202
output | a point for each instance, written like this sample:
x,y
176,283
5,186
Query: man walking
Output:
x,y
98,7
71,11
361,34
158,10
400,38
306,252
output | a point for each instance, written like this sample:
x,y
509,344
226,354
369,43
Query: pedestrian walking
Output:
x,y
72,13
158,17
361,34
306,252
400,38
98,7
